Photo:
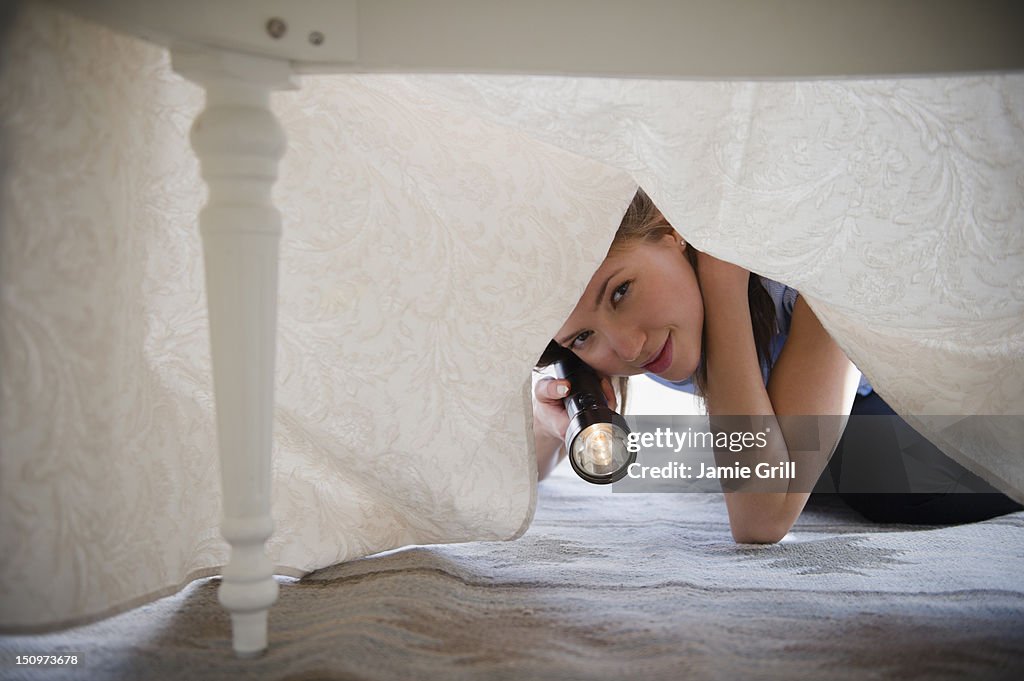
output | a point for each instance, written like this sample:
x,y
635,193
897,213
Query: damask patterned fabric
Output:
x,y
437,230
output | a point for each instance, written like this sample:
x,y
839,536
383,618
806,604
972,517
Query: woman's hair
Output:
x,y
644,222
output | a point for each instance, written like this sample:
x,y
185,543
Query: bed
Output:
x,y
396,413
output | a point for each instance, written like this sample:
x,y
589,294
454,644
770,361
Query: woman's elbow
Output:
x,y
763,531
763,518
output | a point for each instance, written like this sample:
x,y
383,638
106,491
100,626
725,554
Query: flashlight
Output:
x,y
596,437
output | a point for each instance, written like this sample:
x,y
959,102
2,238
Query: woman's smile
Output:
x,y
663,360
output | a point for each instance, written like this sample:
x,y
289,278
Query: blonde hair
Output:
x,y
643,221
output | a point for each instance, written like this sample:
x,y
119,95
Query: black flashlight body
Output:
x,y
585,404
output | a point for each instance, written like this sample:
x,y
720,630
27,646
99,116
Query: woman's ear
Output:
x,y
677,239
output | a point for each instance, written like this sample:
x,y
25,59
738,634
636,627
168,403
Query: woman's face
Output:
x,y
642,312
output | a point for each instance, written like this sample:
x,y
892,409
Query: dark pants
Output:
x,y
911,480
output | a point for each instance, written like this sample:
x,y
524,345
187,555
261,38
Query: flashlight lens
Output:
x,y
600,449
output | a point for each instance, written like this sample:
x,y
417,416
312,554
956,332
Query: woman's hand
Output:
x,y
550,420
549,417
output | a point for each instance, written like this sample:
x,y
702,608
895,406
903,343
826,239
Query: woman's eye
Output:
x,y
580,339
618,293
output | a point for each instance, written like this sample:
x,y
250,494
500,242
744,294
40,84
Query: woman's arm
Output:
x,y
811,377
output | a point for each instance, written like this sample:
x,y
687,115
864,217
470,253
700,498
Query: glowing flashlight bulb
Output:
x,y
600,446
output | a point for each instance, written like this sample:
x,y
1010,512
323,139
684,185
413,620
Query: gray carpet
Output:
x,y
608,586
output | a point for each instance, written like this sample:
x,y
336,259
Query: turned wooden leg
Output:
x,y
239,142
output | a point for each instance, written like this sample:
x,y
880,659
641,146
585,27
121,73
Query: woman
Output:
x,y
657,306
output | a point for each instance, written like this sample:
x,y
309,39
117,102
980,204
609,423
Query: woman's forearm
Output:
x,y
735,384
736,388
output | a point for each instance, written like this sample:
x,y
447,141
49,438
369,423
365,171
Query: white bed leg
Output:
x,y
239,142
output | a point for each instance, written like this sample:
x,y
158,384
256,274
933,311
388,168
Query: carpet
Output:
x,y
607,586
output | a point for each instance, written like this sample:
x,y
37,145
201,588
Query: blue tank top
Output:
x,y
784,298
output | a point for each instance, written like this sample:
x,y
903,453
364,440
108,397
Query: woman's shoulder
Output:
x,y
784,298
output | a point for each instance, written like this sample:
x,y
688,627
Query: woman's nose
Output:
x,y
627,344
